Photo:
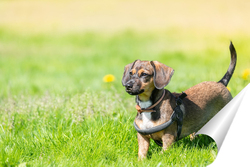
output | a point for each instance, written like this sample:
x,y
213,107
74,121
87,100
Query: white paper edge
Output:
x,y
222,123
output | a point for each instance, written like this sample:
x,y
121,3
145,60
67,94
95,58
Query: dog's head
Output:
x,y
144,76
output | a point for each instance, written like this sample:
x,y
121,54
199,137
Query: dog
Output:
x,y
146,80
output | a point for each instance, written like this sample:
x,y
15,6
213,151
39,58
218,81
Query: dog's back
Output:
x,y
203,101
206,99
147,79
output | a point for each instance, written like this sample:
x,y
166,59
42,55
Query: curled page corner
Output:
x,y
230,130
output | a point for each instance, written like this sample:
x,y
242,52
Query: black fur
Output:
x,y
226,78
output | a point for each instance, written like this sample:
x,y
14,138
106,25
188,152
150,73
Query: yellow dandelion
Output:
x,y
108,78
229,88
246,74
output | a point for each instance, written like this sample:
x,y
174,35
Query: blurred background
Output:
x,y
62,61
68,46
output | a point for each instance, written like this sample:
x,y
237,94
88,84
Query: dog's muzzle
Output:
x,y
133,89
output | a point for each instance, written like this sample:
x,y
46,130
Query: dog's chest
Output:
x,y
146,116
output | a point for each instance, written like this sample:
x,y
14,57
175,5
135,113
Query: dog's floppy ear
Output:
x,y
162,74
127,69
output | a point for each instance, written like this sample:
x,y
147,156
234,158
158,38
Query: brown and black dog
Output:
x,y
147,79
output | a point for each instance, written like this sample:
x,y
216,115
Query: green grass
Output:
x,y
82,131
56,110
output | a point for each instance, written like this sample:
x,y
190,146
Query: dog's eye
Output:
x,y
144,74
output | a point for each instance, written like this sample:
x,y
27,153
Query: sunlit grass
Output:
x,y
57,111
58,106
82,131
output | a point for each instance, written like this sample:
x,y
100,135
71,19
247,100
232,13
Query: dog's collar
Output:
x,y
150,108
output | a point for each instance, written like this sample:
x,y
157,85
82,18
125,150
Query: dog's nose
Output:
x,y
129,85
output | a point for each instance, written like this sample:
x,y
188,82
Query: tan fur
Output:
x,y
192,136
203,101
133,71
148,87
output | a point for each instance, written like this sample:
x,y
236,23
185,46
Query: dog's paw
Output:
x,y
192,136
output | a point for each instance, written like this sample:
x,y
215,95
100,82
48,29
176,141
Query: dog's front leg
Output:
x,y
167,140
143,143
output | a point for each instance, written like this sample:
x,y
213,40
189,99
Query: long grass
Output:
x,y
82,131
56,110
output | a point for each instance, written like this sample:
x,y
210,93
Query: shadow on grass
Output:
x,y
199,142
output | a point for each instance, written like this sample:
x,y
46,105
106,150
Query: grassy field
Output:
x,y
55,109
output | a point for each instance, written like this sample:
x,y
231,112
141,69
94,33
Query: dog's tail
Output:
x,y
231,67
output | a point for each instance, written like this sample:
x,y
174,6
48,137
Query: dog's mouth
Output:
x,y
134,92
